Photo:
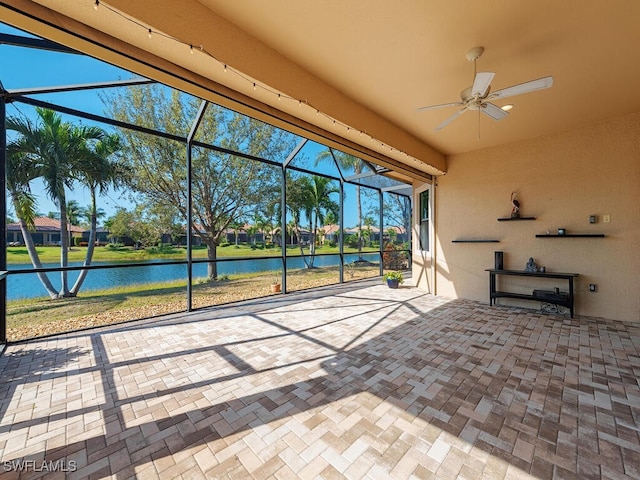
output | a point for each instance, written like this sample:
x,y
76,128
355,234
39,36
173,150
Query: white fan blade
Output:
x,y
481,83
526,87
493,111
451,119
452,104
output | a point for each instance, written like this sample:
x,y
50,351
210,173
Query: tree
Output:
x,y
320,203
236,225
392,234
252,231
74,212
88,214
140,225
331,218
120,224
21,170
225,187
310,196
98,171
397,213
56,149
298,190
368,222
348,162
261,225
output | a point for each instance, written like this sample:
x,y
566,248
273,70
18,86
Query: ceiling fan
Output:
x,y
478,97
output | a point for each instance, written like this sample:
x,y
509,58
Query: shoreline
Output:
x,y
70,314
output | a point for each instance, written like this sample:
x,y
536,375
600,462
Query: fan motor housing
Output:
x,y
468,99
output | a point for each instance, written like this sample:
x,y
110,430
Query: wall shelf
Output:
x,y
574,235
514,219
472,240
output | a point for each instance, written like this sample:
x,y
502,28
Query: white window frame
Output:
x,y
418,219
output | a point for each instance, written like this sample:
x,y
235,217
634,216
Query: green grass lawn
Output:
x,y
17,255
35,317
30,318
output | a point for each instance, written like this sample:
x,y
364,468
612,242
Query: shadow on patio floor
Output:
x,y
346,381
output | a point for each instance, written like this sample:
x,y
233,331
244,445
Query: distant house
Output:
x,y
400,234
332,233
243,235
181,240
329,233
102,236
46,233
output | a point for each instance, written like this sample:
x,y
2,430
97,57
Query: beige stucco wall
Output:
x,y
422,261
561,180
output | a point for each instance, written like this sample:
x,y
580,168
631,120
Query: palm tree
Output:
x,y
290,233
298,195
55,148
98,171
99,214
368,223
321,204
272,216
261,225
74,212
236,225
348,162
20,171
311,195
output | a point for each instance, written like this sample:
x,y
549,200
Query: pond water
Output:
x,y
29,286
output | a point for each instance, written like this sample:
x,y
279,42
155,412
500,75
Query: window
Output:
x,y
424,220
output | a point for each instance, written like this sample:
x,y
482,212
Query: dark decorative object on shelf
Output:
x,y
562,231
499,260
531,266
515,211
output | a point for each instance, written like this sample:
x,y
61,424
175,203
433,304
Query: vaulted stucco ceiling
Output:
x,y
360,69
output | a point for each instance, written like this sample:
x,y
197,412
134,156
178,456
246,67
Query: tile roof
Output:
x,y
46,224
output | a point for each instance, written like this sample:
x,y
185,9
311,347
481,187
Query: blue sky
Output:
x,y
29,68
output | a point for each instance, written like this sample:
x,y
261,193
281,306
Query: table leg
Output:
x,y
492,288
571,296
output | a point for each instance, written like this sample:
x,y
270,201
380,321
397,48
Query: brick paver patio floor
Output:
x,y
353,381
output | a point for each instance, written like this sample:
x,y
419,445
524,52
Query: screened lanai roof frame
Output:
x,y
23,95
43,44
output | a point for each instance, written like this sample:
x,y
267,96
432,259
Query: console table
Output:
x,y
556,298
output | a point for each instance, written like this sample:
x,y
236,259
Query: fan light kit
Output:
x,y
478,97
